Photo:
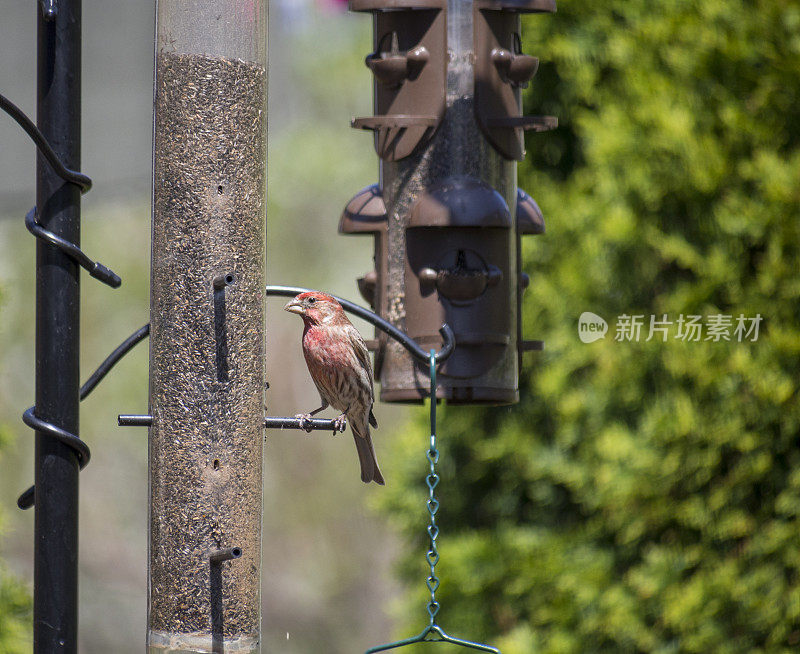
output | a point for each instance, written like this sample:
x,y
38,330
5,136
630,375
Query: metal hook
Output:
x,y
27,499
94,268
72,176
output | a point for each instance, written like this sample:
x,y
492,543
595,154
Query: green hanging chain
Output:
x,y
433,633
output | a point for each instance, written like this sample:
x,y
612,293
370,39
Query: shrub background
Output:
x,y
642,497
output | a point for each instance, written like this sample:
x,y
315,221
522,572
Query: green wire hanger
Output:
x,y
433,633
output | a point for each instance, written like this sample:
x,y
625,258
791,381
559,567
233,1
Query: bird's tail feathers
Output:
x,y
366,455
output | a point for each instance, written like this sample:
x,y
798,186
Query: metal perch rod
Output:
x,y
132,420
226,554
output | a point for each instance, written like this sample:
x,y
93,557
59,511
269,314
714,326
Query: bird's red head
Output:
x,y
316,308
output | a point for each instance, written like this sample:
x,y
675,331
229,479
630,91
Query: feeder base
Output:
x,y
172,643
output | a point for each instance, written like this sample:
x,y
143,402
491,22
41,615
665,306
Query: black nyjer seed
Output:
x,y
210,126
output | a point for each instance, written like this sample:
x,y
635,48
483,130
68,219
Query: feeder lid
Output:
x,y
529,216
365,213
460,202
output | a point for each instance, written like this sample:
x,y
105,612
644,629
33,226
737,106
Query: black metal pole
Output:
x,y
58,109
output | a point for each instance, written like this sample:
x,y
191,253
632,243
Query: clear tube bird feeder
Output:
x,y
207,326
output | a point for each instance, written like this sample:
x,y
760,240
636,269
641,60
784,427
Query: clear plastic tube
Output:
x,y
234,29
207,325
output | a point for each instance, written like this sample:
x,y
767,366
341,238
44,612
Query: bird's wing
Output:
x,y
362,355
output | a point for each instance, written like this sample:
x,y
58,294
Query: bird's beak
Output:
x,y
294,307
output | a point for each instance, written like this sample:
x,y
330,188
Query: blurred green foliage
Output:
x,y
15,616
642,497
16,606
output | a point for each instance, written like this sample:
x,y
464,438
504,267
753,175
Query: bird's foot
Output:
x,y
340,424
304,418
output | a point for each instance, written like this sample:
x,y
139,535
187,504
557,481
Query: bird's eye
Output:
x,y
312,300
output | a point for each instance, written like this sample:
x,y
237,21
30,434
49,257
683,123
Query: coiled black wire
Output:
x,y
95,269
26,500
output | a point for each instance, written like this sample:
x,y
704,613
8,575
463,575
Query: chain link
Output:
x,y
432,480
433,632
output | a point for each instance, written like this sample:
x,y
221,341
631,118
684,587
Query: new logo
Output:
x,y
591,327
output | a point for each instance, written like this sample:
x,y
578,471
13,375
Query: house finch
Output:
x,y
338,361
